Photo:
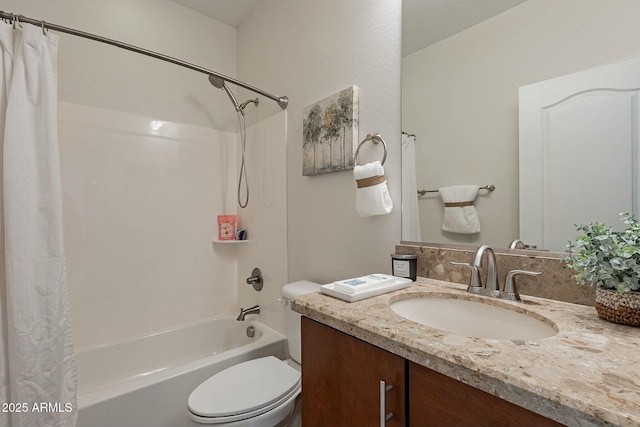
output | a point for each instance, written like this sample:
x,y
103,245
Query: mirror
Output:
x,y
460,97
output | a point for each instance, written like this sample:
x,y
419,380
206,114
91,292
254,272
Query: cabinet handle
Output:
x,y
384,416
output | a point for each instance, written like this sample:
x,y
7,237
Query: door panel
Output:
x,y
578,152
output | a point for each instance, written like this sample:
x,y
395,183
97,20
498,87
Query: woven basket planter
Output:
x,y
618,308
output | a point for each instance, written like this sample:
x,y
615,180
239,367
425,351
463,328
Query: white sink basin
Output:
x,y
473,318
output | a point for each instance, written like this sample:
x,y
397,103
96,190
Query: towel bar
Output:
x,y
376,139
489,187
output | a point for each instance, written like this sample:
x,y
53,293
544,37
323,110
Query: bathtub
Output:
x,y
146,381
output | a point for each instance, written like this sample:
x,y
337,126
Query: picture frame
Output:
x,y
330,133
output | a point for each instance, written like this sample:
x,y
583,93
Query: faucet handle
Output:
x,y
256,279
510,286
475,274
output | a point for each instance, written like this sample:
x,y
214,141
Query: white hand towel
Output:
x,y
372,195
460,215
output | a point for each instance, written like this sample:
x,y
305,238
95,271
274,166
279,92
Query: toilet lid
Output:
x,y
243,388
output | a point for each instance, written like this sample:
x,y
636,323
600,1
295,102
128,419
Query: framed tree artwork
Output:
x,y
330,130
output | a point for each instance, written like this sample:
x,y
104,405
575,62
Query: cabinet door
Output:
x,y
438,400
341,380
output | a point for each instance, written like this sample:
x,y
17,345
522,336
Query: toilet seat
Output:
x,y
243,391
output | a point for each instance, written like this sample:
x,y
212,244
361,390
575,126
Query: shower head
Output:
x,y
220,83
216,81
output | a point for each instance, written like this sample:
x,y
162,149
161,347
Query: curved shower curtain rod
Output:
x,y
281,100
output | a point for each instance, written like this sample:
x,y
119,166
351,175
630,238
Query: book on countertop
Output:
x,y
358,284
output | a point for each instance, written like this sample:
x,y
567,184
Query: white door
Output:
x,y
578,152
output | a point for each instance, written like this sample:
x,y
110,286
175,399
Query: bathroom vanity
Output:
x,y
586,374
432,399
357,367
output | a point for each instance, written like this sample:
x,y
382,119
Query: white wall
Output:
x,y
460,97
91,73
309,50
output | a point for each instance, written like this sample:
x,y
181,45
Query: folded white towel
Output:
x,y
460,215
372,195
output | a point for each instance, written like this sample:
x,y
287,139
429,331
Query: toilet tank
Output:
x,y
291,318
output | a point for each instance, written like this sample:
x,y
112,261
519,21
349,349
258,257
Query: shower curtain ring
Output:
x,y
16,19
44,30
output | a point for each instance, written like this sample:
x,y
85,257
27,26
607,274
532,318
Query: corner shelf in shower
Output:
x,y
226,242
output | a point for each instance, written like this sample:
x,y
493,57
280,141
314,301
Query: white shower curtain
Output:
x,y
410,211
38,383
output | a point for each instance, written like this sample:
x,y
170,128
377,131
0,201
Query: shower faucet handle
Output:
x,y
256,279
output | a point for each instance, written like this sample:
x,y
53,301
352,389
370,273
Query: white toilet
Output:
x,y
260,392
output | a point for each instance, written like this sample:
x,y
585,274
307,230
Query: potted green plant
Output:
x,y
610,260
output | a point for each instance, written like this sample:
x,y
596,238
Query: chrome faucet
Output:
x,y
251,310
517,244
491,287
491,282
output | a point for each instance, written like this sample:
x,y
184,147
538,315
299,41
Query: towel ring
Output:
x,y
376,139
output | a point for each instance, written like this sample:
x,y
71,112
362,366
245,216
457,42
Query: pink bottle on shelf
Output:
x,y
226,227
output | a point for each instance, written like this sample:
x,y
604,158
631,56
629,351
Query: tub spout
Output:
x,y
251,310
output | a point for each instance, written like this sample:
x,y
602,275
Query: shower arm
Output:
x,y
281,100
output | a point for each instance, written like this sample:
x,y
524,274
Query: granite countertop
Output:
x,y
588,374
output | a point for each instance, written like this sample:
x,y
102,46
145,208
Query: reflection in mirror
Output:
x,y
460,100
575,130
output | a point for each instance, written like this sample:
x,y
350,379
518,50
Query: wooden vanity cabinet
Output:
x,y
341,380
438,400
341,388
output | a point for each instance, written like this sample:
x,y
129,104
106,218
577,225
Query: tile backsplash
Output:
x,y
556,281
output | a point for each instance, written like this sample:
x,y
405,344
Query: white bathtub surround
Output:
x,y
121,383
141,199
38,365
265,218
